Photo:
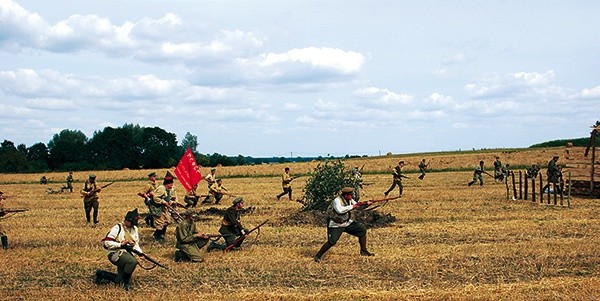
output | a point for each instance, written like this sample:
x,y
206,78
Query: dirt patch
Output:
x,y
370,219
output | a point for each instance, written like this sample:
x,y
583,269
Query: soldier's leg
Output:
x,y
87,206
400,188
193,252
281,194
358,230
391,188
105,275
125,267
218,197
290,193
4,239
95,207
333,235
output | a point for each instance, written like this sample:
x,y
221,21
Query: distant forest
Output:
x,y
130,146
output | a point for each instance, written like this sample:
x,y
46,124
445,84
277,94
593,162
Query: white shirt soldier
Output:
x,y
119,237
340,221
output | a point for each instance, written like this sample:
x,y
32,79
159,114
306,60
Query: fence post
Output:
x,y
555,187
525,188
541,189
520,185
514,187
533,190
569,195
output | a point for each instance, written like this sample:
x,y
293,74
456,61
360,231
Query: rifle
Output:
x,y
363,204
5,211
241,238
92,192
290,180
129,248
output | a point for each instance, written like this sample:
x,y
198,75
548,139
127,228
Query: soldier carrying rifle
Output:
x,y
90,197
340,221
286,184
477,174
162,205
189,240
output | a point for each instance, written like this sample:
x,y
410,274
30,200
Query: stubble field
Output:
x,y
450,241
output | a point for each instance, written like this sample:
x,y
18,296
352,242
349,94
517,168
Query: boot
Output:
x,y
326,246
125,281
180,256
215,246
104,275
362,241
4,239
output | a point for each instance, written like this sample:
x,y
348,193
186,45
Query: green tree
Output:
x,y
11,159
190,141
325,183
37,156
159,148
68,150
117,148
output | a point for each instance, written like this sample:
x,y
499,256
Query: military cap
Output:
x,y
401,162
238,200
169,178
152,174
132,216
92,176
213,169
556,156
346,190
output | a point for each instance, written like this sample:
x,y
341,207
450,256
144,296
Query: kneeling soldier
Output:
x,y
340,221
189,241
231,228
117,239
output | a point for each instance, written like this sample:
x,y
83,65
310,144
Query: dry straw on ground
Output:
x,y
449,242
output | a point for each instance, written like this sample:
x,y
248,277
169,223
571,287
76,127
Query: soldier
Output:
x,y
191,198
340,221
43,180
286,184
210,179
218,191
358,182
506,172
148,194
70,181
90,198
422,168
3,236
553,172
163,200
477,174
231,227
121,235
397,179
532,172
498,175
189,241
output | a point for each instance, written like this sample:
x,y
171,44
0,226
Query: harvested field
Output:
x,y
448,242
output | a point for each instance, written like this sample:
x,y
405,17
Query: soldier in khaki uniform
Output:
x,y
148,194
119,236
189,240
210,179
286,184
70,181
231,227
191,198
90,198
164,198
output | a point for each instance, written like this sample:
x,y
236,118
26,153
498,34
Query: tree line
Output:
x,y
130,146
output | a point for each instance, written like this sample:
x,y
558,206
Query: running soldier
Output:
x,y
422,168
286,184
397,179
340,221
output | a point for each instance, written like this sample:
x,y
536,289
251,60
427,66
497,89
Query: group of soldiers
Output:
x,y
122,240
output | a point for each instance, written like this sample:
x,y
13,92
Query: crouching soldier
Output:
x,y
121,236
231,228
189,241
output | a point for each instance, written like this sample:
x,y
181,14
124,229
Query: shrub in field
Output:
x,y
325,183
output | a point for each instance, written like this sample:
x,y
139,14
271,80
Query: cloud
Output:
x,y
593,93
455,59
519,84
383,97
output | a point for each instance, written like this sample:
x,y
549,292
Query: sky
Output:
x,y
303,78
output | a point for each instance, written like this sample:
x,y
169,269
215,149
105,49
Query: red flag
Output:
x,y
187,171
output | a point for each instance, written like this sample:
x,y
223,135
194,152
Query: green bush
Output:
x,y
325,183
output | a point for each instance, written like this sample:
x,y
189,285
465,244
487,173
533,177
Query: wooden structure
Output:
x,y
583,165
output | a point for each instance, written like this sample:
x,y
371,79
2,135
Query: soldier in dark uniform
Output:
x,y
90,198
70,181
340,221
553,173
422,168
498,175
477,174
231,227
397,179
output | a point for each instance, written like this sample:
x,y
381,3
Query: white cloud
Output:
x,y
455,59
533,84
439,99
346,62
381,96
590,93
